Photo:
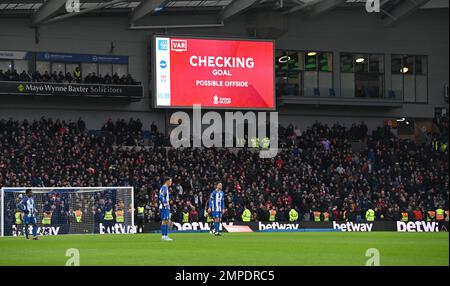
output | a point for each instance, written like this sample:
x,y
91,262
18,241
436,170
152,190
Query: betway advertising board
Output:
x,y
213,73
421,226
303,226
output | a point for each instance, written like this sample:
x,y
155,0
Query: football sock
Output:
x,y
34,230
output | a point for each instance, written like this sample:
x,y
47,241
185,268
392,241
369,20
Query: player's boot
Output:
x,y
217,234
35,238
168,239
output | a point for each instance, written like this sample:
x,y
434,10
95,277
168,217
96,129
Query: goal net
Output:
x,y
70,210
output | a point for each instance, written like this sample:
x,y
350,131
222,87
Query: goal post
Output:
x,y
70,210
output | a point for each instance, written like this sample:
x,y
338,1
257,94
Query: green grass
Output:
x,y
202,249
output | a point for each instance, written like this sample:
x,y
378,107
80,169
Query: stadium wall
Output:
x,y
302,226
343,30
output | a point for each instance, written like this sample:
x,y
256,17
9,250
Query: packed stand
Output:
x,y
317,172
125,133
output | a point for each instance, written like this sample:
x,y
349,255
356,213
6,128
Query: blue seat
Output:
x,y
290,89
391,94
332,92
147,135
366,92
316,92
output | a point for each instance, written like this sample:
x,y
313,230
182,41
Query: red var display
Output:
x,y
214,73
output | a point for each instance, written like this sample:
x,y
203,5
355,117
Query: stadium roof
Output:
x,y
47,11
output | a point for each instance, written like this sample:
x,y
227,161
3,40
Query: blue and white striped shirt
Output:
x,y
28,204
164,197
217,201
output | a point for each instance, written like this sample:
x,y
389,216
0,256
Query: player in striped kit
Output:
x,y
216,207
28,208
164,209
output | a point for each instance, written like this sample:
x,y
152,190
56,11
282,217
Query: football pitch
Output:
x,y
231,249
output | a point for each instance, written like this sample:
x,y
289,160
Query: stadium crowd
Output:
x,y
75,77
317,171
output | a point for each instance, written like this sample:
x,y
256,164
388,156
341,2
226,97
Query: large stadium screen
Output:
x,y
213,73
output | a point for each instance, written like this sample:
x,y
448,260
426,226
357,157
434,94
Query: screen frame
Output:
x,y
153,70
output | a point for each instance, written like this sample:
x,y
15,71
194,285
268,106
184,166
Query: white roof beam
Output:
x,y
317,7
48,9
405,8
236,7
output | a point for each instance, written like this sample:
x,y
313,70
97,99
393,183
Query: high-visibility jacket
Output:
x,y
266,142
272,215
120,216
47,219
405,216
246,215
440,214
316,216
77,74
293,215
240,142
443,147
370,215
254,142
326,216
18,216
431,215
435,144
185,217
108,215
140,211
78,215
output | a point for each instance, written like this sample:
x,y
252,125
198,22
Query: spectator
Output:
x,y
46,77
61,77
193,215
77,75
24,76
68,78
108,79
36,77
116,78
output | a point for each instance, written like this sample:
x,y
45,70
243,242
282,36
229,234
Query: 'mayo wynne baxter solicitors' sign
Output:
x,y
67,89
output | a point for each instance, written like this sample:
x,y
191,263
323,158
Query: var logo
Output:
x,y
179,45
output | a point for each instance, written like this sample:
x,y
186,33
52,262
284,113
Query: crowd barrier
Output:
x,y
302,226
